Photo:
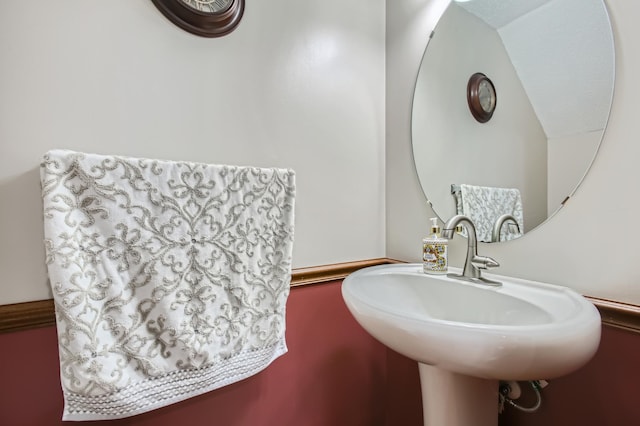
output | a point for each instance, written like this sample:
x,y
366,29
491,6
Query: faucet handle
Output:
x,y
484,262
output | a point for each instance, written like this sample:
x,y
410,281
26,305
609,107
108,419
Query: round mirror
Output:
x,y
511,101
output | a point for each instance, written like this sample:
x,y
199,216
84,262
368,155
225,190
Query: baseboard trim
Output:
x,y
337,271
41,313
617,314
24,316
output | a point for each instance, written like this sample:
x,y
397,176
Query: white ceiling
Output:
x,y
498,13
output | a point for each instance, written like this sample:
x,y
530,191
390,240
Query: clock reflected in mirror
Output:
x,y
481,97
204,18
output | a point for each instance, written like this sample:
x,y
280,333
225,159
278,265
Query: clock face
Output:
x,y
208,6
486,96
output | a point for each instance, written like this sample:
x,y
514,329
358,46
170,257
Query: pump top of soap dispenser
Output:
x,y
435,228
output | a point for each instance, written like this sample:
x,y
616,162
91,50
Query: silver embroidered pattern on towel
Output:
x,y
170,279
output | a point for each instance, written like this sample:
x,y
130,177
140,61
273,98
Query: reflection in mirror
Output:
x,y
552,65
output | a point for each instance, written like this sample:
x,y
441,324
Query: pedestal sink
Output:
x,y
466,336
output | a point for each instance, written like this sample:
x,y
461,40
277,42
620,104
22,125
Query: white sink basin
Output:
x,y
522,330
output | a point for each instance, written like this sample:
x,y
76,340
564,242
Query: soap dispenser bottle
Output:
x,y
434,251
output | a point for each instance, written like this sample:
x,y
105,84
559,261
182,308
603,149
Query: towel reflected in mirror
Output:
x,y
489,208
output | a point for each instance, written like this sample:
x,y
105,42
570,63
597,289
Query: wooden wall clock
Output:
x,y
206,18
481,97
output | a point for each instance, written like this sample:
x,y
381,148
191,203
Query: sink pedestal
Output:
x,y
452,399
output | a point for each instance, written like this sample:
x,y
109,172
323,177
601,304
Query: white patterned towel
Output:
x,y
170,279
485,204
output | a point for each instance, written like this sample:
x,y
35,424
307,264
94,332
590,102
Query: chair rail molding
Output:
x,y
41,313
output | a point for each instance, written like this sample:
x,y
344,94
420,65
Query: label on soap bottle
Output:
x,y
434,257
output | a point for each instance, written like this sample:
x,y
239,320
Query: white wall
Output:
x,y
303,86
510,150
592,243
297,84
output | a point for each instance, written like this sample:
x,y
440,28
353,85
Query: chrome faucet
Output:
x,y
497,227
474,263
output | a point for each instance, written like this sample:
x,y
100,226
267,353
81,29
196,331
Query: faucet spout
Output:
x,y
473,263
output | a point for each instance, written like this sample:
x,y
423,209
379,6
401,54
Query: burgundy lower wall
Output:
x,y
334,374
404,398
605,392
